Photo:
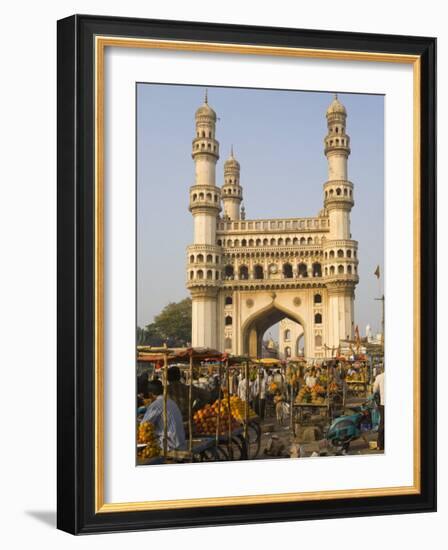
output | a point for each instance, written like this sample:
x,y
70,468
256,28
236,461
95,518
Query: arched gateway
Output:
x,y
246,275
256,325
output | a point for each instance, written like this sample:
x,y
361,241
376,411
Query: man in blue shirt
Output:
x,y
154,414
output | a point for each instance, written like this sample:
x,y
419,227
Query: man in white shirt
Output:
x,y
378,387
311,378
242,389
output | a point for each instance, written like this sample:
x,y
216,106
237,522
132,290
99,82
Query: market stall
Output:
x,y
322,394
356,378
223,429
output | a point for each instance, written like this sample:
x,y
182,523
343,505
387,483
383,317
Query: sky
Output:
x,y
277,136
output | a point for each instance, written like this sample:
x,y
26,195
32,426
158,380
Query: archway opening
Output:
x,y
270,332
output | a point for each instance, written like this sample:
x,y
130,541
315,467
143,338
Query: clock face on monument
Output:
x,y
273,269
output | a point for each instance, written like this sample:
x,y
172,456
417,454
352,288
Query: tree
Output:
x,y
148,336
171,326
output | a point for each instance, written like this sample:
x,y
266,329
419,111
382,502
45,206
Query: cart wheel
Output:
x,y
254,443
209,455
222,453
239,448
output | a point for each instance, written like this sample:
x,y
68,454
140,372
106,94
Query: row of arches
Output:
x,y
341,270
337,142
335,129
269,225
274,254
340,253
288,241
201,258
234,191
316,266
205,147
259,272
202,133
278,285
202,196
204,274
287,271
338,192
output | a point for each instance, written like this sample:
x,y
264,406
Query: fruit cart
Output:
x,y
324,398
249,441
199,448
357,383
213,433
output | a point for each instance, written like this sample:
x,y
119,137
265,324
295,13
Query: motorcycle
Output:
x,y
346,428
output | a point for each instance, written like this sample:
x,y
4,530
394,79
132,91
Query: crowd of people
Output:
x,y
268,390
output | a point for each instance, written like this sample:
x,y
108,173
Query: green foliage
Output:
x,y
172,325
148,336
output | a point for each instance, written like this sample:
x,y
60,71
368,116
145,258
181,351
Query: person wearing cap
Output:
x,y
154,414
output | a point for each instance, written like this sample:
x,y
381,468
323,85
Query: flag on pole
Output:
x,y
377,272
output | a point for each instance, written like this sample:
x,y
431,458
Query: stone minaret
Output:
x,y
204,261
232,192
340,252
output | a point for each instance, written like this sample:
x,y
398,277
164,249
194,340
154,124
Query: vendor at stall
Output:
x,y
180,393
242,388
311,378
154,414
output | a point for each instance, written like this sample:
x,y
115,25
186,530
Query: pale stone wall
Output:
x,y
204,322
337,168
339,224
204,229
231,208
205,171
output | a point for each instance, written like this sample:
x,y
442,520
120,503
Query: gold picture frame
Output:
x,y
97,35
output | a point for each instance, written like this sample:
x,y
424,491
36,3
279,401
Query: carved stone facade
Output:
x,y
246,275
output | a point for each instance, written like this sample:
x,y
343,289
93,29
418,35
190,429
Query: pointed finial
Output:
x,y
206,96
336,95
231,150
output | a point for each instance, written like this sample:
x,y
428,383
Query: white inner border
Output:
x,y
124,482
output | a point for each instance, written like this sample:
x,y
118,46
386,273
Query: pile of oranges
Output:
x,y
206,419
333,387
238,408
314,395
304,395
146,434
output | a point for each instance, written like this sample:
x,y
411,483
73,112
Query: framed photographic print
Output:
x,y
246,252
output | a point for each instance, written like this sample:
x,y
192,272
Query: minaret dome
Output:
x,y
205,111
336,107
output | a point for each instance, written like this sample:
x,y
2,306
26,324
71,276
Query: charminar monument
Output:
x,y
245,275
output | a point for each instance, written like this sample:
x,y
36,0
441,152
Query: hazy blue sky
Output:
x,y
278,139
